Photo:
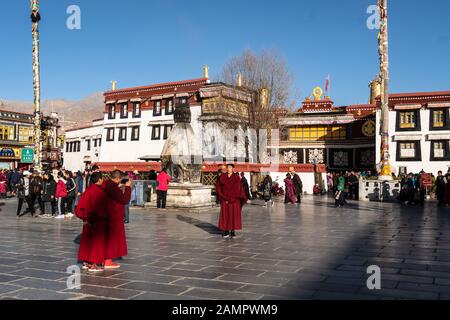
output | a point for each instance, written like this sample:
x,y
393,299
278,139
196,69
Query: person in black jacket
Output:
x,y
36,190
22,190
48,195
71,193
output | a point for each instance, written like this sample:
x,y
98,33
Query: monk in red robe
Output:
x,y
116,242
232,198
92,210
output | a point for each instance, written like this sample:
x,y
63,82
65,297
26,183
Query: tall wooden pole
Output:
x,y
383,46
35,18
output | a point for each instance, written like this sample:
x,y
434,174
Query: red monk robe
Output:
x,y
93,210
232,198
116,241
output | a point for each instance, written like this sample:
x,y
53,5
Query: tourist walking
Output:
x,y
298,185
48,196
440,183
22,190
116,242
245,185
161,191
232,199
267,193
61,195
291,196
340,191
36,184
71,187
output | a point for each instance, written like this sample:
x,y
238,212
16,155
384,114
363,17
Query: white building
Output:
x,y
419,132
82,146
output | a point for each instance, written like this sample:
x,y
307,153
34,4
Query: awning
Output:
x,y
184,94
111,102
439,105
317,120
408,107
156,98
136,100
122,101
168,96
434,137
150,158
407,137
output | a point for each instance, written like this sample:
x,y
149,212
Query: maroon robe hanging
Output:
x,y
93,211
232,198
116,241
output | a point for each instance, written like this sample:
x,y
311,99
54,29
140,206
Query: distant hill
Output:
x,y
71,113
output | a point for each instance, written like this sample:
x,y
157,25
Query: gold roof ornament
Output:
x,y
113,85
239,80
317,93
206,72
264,96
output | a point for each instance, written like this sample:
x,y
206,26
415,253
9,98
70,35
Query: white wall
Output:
x,y
74,161
131,151
412,166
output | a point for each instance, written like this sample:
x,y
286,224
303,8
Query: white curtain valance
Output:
x,y
433,137
407,138
408,107
156,98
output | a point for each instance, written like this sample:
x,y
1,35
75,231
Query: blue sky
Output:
x,y
139,42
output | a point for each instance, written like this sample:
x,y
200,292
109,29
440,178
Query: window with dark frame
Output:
x,y
124,111
167,131
136,110
95,143
182,100
408,120
440,150
439,119
67,146
135,133
122,134
157,108
111,111
169,106
78,146
156,132
110,134
88,145
409,151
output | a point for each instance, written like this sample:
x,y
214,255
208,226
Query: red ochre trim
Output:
x,y
214,167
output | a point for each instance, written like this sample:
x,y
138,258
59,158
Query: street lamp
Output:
x,y
35,18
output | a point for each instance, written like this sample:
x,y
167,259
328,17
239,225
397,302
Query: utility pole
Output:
x,y
383,45
35,18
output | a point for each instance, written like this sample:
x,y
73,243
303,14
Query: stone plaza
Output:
x,y
288,252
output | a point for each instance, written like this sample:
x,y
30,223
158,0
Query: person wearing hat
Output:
x,y
22,190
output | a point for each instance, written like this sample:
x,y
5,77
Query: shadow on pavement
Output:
x,y
205,226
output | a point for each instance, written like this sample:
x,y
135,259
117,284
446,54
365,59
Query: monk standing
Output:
x,y
92,210
116,242
232,199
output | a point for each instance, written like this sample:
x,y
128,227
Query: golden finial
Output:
x,y
206,72
239,80
113,85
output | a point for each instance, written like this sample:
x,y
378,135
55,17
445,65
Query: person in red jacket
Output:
x,y
116,242
92,210
61,195
163,185
232,199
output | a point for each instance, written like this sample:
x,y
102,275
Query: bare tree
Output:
x,y
267,75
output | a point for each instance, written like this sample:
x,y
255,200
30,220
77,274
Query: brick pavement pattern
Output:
x,y
311,251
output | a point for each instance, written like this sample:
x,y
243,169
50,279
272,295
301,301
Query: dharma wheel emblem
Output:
x,y
317,93
368,128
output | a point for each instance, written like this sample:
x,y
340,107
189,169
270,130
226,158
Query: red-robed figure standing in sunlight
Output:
x,y
93,211
116,242
232,198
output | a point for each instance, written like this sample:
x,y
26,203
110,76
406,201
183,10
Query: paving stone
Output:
x,y
42,294
222,294
208,284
